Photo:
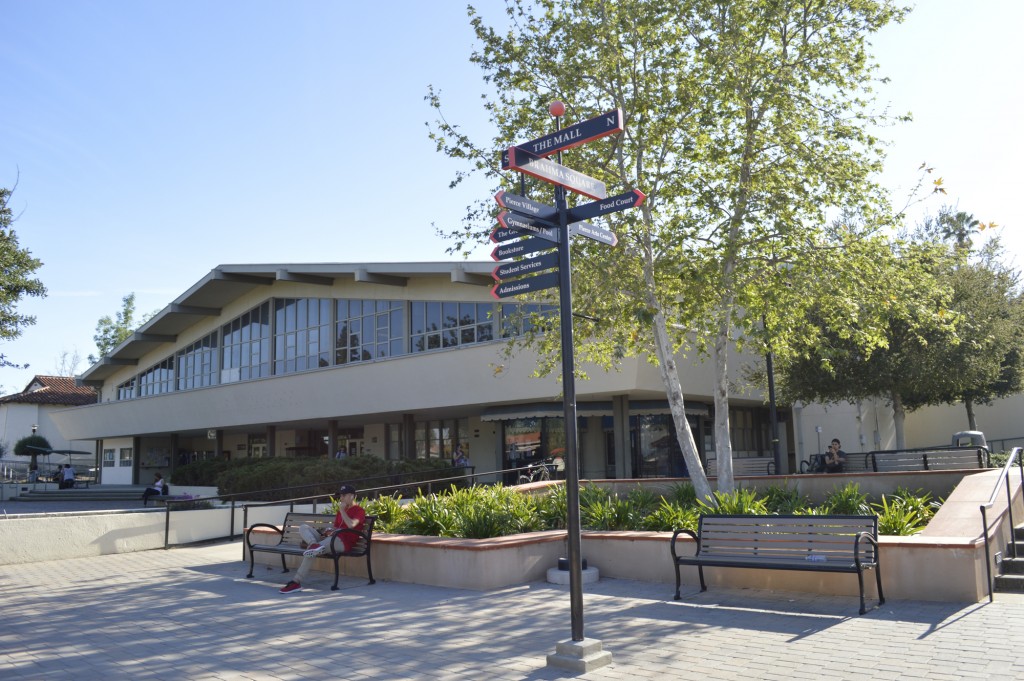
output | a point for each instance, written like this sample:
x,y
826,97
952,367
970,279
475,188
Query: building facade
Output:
x,y
395,360
31,411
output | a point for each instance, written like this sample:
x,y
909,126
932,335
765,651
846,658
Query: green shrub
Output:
x,y
919,501
895,517
742,501
552,508
683,494
388,509
643,502
606,513
308,477
428,515
669,517
847,500
784,500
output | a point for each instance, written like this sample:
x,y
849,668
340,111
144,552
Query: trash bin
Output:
x,y
969,438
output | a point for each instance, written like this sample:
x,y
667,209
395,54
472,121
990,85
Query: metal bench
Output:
x,y
813,543
290,542
749,465
929,460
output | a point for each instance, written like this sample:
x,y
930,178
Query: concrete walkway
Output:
x,y
189,613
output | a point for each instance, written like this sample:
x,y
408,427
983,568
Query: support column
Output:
x,y
332,438
271,441
409,436
620,436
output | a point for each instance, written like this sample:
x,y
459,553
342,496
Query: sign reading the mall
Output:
x,y
573,136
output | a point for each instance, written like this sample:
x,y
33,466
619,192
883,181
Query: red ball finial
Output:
x,y
556,108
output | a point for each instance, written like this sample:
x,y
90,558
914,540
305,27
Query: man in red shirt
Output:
x,y
350,515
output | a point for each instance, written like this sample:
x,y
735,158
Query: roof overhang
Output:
x,y
226,283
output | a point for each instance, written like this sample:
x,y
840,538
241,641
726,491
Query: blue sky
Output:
x,y
157,140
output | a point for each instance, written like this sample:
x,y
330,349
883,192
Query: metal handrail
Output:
x,y
1004,477
314,499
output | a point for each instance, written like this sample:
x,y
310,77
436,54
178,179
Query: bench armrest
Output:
x,y
868,537
366,533
275,528
690,533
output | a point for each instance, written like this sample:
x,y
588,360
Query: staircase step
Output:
x,y
1013,566
97,493
1009,583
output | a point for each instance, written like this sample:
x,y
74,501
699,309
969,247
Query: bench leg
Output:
x,y
677,582
284,565
334,587
369,569
878,580
860,581
252,560
700,571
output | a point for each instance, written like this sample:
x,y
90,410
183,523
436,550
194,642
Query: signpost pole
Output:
x,y
572,467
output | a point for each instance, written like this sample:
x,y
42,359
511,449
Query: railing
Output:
x,y
236,498
1004,478
1002,444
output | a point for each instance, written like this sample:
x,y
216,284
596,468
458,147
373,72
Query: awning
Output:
x,y
648,407
536,410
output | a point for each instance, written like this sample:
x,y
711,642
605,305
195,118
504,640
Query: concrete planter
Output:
x,y
916,568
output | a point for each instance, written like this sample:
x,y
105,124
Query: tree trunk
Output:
x,y
972,420
899,415
674,391
723,442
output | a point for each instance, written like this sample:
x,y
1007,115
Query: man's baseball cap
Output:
x,y
346,489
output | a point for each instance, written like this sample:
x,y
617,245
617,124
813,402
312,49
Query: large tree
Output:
x,y
950,332
16,281
746,124
986,296
111,332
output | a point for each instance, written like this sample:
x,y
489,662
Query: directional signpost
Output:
x,y
525,206
596,233
610,205
555,173
513,249
573,136
525,225
525,266
549,227
525,285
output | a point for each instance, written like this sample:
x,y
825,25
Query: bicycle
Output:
x,y
536,472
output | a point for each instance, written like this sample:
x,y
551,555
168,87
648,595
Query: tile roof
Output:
x,y
60,390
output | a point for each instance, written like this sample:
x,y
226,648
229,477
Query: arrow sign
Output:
x,y
525,266
516,248
514,288
521,224
572,136
596,233
521,204
556,173
614,204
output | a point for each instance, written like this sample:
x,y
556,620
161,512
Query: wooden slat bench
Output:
x,y
290,541
814,543
758,465
855,463
929,460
